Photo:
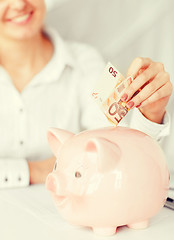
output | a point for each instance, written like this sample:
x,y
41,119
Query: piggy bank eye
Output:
x,y
78,174
55,166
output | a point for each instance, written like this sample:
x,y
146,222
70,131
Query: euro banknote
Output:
x,y
108,91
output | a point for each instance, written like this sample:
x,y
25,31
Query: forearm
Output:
x,y
154,117
157,131
40,169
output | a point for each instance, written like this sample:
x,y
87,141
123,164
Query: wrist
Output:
x,y
156,117
40,169
33,169
36,172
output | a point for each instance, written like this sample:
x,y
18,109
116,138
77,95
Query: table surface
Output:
x,y
29,213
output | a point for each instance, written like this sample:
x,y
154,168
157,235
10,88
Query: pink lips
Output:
x,y
21,19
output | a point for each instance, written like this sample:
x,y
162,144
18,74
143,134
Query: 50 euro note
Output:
x,y
108,92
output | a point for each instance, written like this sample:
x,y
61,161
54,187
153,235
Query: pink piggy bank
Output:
x,y
107,178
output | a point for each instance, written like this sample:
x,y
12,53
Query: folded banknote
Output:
x,y
108,92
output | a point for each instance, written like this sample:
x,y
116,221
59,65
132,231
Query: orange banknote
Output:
x,y
108,92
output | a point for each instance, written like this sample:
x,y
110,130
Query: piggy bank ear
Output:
x,y
107,154
57,137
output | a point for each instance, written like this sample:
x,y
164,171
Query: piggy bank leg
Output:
x,y
105,231
139,225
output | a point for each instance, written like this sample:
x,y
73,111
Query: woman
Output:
x,y
46,82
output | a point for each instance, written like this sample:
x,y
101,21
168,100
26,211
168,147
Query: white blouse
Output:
x,y
58,96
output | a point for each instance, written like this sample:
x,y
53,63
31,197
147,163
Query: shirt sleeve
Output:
x,y
156,131
14,173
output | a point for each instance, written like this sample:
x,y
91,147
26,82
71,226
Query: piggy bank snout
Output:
x,y
51,183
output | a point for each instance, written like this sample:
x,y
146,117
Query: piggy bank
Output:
x,y
107,178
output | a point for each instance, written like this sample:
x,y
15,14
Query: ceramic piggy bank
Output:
x,y
107,178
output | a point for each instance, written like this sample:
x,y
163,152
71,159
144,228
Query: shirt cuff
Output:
x,y
155,130
14,173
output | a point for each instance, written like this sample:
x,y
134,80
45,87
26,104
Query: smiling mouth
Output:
x,y
21,19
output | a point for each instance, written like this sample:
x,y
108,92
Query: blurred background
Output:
x,y
120,29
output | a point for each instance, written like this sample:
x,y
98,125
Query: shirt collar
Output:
x,y
60,48
62,58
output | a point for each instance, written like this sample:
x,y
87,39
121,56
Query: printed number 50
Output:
x,y
114,73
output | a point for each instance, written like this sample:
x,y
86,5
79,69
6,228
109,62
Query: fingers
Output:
x,y
141,80
137,65
164,91
160,80
150,80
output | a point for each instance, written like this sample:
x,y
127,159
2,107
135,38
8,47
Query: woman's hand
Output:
x,y
39,170
150,90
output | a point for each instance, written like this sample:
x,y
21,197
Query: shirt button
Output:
x,y
21,142
19,178
21,110
6,179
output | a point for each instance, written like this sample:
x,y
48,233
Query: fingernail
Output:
x,y
130,79
124,97
130,104
138,105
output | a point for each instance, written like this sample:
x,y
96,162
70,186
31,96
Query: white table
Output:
x,y
29,213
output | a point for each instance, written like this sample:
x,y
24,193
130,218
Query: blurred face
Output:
x,y
21,19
